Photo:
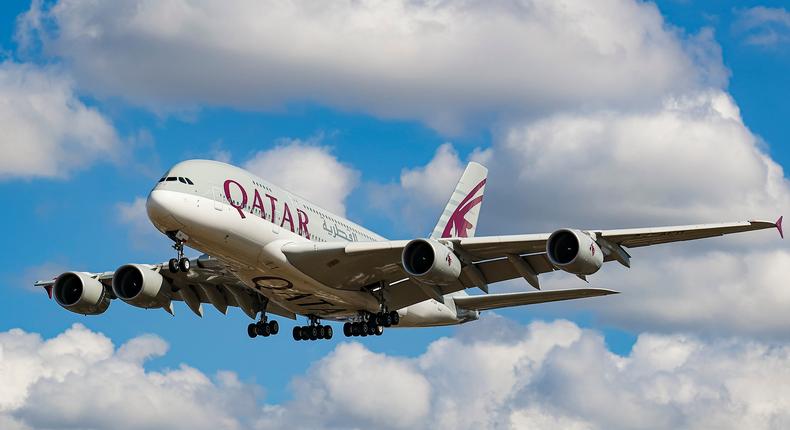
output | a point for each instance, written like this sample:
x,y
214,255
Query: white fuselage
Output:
x,y
239,218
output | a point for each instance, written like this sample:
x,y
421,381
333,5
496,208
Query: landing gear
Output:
x,y
314,331
371,324
263,328
180,263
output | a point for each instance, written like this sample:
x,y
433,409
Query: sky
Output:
x,y
615,114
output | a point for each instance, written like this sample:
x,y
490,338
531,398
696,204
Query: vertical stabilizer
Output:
x,y
459,218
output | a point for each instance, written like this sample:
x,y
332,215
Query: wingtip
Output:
x,y
778,224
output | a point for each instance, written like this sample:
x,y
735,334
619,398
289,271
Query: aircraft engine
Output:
x,y
430,262
78,292
574,251
141,286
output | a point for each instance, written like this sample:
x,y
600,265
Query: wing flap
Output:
x,y
497,301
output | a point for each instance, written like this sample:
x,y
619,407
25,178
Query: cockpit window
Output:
x,y
180,179
189,182
171,179
163,179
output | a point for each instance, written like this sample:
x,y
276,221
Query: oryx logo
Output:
x,y
457,220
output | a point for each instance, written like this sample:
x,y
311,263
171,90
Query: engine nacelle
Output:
x,y
574,251
430,262
80,293
140,286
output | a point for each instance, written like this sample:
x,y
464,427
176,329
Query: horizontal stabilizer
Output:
x,y
496,301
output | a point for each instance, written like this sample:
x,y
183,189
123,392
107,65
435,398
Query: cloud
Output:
x,y
86,383
449,64
47,131
309,169
549,374
493,373
763,26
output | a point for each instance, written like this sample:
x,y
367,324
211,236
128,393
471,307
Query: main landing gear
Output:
x,y
263,328
371,324
181,263
313,331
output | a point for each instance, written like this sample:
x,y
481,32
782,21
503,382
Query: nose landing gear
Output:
x,y
180,263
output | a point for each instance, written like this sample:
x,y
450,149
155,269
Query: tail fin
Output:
x,y
459,218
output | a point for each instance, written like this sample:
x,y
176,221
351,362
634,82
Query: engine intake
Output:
x,y
574,251
80,293
141,286
430,262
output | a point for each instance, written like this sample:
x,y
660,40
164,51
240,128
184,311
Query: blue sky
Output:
x,y
73,220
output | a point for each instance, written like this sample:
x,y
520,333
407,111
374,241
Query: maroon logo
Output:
x,y
458,221
259,208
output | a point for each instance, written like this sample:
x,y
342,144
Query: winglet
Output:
x,y
49,291
778,224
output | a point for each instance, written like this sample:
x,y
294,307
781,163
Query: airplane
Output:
x,y
268,251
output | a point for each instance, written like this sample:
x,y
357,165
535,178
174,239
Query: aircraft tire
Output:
x,y
394,317
274,327
184,265
172,265
328,332
347,329
251,332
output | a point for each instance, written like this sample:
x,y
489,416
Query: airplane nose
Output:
x,y
157,205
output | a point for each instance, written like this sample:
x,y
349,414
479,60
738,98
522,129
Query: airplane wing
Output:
x,y
496,301
487,259
208,281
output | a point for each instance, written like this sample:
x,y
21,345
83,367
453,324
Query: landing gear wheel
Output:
x,y
355,329
320,332
297,333
172,265
274,327
395,317
347,329
328,332
386,321
184,264
262,329
379,330
304,332
251,331
313,331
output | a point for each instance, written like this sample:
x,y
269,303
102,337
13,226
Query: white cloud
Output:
x,y
307,169
47,130
79,380
450,64
763,26
493,373
550,374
